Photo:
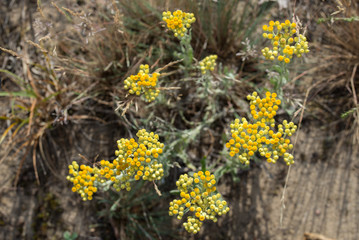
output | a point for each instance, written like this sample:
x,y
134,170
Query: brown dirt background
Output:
x,y
322,194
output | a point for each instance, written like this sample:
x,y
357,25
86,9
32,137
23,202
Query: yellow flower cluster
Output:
x,y
83,178
198,196
208,63
143,82
260,137
179,22
139,159
135,160
286,41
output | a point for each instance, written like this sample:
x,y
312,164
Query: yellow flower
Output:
x,y
128,166
286,41
208,63
202,200
260,136
143,82
178,22
81,177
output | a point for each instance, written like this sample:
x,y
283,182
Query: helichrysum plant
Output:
x,y
143,83
199,198
260,135
135,161
286,41
178,22
208,63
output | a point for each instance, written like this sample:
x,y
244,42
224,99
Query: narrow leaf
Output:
x,y
6,132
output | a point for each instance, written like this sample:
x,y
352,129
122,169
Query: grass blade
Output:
x,y
6,131
17,94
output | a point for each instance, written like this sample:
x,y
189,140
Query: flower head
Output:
x,y
83,178
208,63
260,136
138,160
143,82
198,197
178,22
286,41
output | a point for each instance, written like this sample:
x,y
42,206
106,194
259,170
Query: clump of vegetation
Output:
x,y
339,68
197,97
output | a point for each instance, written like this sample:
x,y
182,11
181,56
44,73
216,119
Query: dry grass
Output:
x,y
344,47
333,81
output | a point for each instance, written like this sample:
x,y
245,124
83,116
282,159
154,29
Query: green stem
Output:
x,y
187,51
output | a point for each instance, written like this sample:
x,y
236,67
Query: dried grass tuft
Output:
x,y
333,95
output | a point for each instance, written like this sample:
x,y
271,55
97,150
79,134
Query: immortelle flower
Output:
x,y
135,161
138,160
260,136
83,178
179,22
286,41
208,63
199,198
143,82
